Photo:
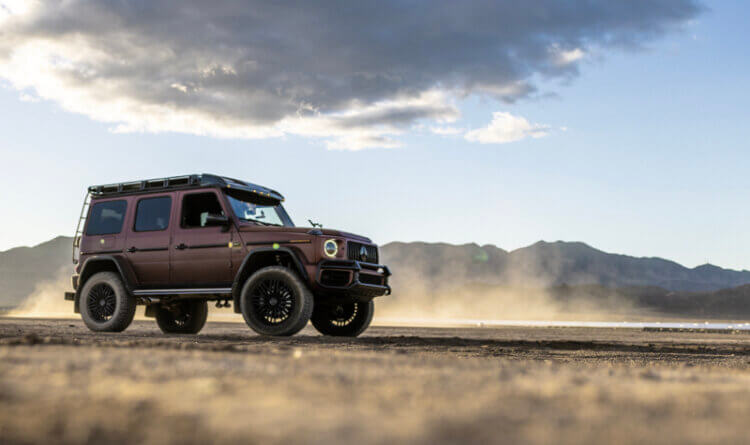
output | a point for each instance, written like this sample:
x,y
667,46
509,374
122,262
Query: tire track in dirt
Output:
x,y
27,333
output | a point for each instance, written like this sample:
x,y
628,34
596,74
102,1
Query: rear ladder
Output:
x,y
80,227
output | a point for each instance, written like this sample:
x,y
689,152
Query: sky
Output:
x,y
619,124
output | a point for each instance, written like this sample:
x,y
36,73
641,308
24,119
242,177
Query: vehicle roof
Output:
x,y
184,182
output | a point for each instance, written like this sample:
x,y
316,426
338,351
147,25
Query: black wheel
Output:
x,y
343,320
105,305
274,301
182,317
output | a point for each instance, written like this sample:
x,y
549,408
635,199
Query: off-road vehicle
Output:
x,y
174,244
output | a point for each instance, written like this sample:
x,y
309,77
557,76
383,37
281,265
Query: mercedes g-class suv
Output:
x,y
173,244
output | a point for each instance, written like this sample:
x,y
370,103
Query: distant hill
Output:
x,y
732,303
552,264
22,268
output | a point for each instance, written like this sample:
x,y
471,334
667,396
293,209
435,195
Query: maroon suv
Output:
x,y
173,244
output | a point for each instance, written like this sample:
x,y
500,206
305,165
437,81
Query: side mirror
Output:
x,y
216,220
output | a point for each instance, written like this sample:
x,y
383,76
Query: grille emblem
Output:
x,y
363,253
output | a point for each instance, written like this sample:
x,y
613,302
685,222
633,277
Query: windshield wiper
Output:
x,y
262,222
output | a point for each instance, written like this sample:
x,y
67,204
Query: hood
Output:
x,y
306,230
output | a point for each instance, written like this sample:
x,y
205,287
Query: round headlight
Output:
x,y
330,248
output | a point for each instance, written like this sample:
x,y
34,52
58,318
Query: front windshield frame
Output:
x,y
281,213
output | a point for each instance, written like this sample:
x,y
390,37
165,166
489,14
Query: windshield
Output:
x,y
267,215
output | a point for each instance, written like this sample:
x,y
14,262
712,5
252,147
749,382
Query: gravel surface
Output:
x,y
60,383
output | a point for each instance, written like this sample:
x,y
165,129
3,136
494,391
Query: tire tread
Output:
x,y
323,324
302,317
165,319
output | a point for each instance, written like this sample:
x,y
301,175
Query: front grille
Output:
x,y
368,255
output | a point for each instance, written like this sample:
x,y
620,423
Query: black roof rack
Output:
x,y
183,182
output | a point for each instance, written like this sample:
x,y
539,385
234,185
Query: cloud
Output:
x,y
353,74
24,97
371,125
566,57
506,128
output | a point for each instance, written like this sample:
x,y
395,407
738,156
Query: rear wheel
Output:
x,y
274,301
105,304
343,320
182,317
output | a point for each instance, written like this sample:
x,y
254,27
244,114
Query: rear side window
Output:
x,y
106,218
152,214
196,207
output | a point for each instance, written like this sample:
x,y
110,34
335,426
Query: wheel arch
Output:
x,y
262,257
103,263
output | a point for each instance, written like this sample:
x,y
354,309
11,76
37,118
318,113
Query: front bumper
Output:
x,y
353,279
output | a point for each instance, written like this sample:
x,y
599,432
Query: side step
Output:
x,y
208,291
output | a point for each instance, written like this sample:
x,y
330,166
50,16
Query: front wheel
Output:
x,y
274,301
182,317
343,320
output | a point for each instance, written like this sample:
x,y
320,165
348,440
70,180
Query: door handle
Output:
x,y
180,246
132,250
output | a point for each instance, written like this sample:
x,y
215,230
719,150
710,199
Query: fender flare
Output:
x,y
124,269
238,281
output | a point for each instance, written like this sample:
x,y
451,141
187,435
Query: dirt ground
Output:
x,y
60,383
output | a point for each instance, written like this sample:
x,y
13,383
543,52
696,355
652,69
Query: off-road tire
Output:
x,y
188,317
105,304
343,320
258,310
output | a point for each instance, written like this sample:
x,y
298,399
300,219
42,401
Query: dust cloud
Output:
x,y
452,292
412,300
477,302
46,300
451,287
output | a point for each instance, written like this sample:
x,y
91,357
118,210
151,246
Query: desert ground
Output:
x,y
60,383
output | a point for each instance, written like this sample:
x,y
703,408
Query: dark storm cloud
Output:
x,y
256,63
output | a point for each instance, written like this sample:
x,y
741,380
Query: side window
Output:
x,y
106,218
196,207
153,214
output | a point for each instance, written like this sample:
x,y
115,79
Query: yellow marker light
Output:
x,y
275,246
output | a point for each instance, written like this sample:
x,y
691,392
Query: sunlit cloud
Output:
x,y
353,78
566,57
506,128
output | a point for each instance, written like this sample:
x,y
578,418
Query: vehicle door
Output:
x,y
149,238
201,252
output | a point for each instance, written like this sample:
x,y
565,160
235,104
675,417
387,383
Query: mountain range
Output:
x,y
551,264
23,268
566,270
